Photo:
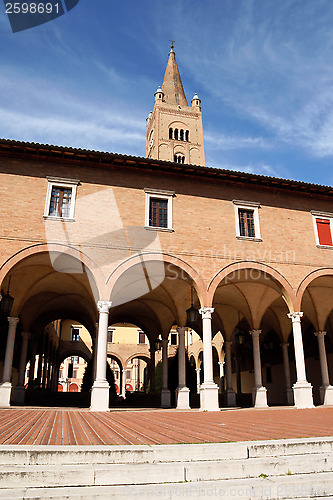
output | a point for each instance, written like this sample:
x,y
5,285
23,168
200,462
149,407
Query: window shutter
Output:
x,y
324,232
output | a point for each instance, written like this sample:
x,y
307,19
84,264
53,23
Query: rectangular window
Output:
x,y
128,374
60,198
75,334
70,370
247,220
60,203
142,338
110,335
323,227
158,213
246,223
324,232
158,209
173,338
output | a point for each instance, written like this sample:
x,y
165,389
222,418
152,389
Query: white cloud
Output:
x,y
228,142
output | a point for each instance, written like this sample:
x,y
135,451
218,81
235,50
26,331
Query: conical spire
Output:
x,y
172,84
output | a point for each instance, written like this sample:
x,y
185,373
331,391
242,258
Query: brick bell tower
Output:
x,y
174,129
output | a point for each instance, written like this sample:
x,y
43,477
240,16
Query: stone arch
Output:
x,y
288,292
197,280
138,355
73,352
116,358
89,265
318,273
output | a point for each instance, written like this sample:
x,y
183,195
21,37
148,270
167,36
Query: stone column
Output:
x,y
45,357
302,389
123,383
54,378
40,365
95,352
209,391
100,388
19,391
221,366
152,368
49,366
230,393
286,366
6,386
165,395
198,370
32,365
182,392
259,393
326,390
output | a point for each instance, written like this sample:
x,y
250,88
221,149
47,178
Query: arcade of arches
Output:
x,y
261,341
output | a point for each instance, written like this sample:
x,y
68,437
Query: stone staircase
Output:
x,y
276,469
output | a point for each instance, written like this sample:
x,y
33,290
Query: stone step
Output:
x,y
62,455
40,476
301,487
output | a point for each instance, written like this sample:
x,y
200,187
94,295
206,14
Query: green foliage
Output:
x,y
87,380
191,376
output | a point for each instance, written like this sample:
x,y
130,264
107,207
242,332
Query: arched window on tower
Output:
x,y
187,135
170,133
176,134
181,135
179,158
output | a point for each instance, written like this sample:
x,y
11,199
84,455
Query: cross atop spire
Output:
x,y
172,83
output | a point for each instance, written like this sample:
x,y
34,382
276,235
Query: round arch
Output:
x,y
138,355
97,283
166,258
289,294
116,358
319,273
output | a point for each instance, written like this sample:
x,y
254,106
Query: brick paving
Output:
x,y
36,426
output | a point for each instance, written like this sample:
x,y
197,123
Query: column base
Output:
x,y
289,397
230,397
259,397
326,395
165,398
183,398
5,393
209,397
100,396
18,395
303,395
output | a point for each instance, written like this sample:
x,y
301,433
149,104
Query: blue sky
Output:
x,y
263,69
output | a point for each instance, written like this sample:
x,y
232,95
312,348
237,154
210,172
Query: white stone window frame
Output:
x,y
322,215
177,338
247,205
164,195
76,327
111,330
142,332
64,183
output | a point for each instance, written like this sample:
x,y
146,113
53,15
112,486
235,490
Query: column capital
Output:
x,y
228,342
198,370
104,306
13,320
295,316
181,330
284,345
206,312
221,363
26,335
320,334
255,333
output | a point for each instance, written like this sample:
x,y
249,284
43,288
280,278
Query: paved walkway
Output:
x,y
29,426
